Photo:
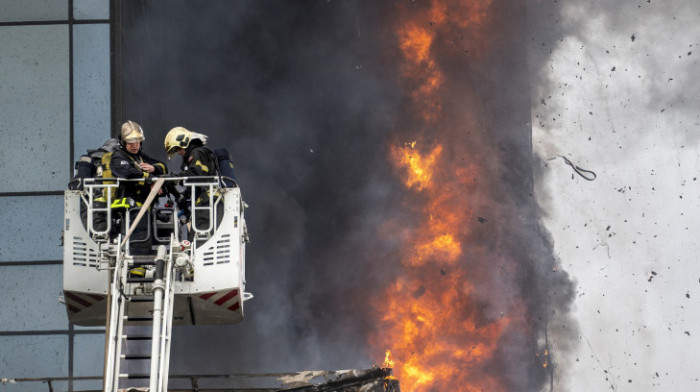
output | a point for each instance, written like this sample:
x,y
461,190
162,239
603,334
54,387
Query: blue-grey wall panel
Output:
x,y
87,385
33,10
31,386
34,356
34,107
91,9
33,228
89,352
30,298
91,86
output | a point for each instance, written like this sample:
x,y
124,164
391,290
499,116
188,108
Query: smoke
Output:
x,y
615,91
299,97
309,99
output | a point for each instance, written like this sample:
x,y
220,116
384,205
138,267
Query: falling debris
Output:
x,y
651,276
482,220
586,174
369,380
419,292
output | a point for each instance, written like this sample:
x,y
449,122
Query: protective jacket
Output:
x,y
198,161
126,165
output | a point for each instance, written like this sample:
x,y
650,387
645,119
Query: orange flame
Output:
x,y
419,167
388,362
429,313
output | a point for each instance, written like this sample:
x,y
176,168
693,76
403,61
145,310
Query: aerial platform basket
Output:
x,y
209,268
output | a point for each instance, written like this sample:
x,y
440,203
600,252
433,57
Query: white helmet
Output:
x,y
132,132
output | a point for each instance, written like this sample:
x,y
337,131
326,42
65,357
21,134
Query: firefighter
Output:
x,y
92,165
128,161
197,161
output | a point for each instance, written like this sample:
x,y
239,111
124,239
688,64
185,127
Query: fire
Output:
x,y
433,320
419,167
428,313
544,359
415,41
388,362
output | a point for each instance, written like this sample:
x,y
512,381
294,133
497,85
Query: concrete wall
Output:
x,y
54,104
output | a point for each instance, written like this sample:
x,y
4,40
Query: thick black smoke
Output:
x,y
307,97
301,97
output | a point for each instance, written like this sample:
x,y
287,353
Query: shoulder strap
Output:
x,y
134,162
104,170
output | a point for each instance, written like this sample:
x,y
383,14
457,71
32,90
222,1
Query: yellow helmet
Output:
x,y
180,137
177,137
132,132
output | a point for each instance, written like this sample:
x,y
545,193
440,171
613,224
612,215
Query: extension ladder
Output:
x,y
128,310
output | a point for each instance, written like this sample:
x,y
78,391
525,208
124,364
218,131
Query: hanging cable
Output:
x,y
586,174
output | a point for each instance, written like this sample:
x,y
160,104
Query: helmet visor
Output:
x,y
171,151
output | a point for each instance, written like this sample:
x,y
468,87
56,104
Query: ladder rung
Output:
x,y
133,376
140,280
138,318
140,263
136,356
146,298
143,337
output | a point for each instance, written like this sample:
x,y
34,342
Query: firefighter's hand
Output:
x,y
147,167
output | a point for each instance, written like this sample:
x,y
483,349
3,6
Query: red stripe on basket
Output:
x,y
206,296
226,297
235,306
77,299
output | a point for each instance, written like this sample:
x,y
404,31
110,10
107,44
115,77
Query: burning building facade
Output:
x,y
385,150
478,287
391,148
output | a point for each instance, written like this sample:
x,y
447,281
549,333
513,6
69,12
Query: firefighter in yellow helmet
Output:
x,y
197,161
130,162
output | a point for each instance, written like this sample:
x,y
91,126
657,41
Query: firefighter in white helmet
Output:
x,y
130,162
